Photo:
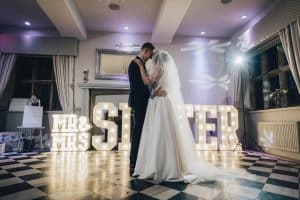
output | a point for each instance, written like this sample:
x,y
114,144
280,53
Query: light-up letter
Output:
x,y
126,118
70,133
228,120
99,121
203,127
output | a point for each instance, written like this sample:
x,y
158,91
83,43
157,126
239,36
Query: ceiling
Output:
x,y
162,18
139,17
219,20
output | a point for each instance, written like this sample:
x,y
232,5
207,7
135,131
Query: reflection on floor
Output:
x,y
104,175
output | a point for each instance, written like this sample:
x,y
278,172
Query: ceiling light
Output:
x,y
126,28
244,17
27,23
202,33
240,59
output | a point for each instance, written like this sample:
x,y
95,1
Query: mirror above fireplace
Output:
x,y
113,64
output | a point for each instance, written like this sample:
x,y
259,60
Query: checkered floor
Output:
x,y
104,175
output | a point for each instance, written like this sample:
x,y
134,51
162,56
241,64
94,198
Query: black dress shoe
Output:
x,y
131,171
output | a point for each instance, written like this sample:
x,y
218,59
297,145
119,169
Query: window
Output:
x,y
35,75
293,96
271,76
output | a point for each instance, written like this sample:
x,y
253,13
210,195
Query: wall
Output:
x,y
258,31
193,69
28,44
273,115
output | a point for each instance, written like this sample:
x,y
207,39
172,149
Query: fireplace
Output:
x,y
121,96
104,91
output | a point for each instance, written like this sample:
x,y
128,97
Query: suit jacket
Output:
x,y
139,93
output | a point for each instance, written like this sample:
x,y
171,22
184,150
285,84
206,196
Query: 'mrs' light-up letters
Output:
x,y
70,133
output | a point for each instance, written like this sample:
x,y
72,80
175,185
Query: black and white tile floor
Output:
x,y
104,175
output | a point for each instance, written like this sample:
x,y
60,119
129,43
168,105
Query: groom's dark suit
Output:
x,y
138,100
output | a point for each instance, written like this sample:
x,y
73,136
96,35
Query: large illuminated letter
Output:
x,y
189,109
84,136
203,126
98,119
125,144
83,141
58,142
71,141
59,123
228,120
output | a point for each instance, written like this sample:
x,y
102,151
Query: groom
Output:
x,y
138,100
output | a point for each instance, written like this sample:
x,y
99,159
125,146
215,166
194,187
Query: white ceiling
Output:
x,y
74,18
219,20
15,12
138,15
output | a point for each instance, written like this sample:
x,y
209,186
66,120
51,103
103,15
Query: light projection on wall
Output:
x,y
70,132
216,46
207,81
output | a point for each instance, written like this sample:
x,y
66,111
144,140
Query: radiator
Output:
x,y
279,135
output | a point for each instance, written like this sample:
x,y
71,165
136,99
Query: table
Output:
x,y
31,130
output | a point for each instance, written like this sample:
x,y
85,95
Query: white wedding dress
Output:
x,y
167,147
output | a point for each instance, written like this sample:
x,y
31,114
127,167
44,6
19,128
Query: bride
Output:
x,y
167,148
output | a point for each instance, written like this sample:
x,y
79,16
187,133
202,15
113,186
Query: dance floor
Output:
x,y
105,175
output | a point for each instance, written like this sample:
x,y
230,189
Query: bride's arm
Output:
x,y
156,90
157,74
154,77
144,75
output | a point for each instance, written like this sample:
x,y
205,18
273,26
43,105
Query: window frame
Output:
x,y
34,81
280,72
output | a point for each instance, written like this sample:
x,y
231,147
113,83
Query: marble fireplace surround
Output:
x,y
102,87
93,91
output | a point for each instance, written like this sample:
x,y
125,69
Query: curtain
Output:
x,y
235,88
290,39
64,76
239,95
239,89
7,62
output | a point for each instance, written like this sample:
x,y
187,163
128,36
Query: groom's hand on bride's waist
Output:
x,y
159,92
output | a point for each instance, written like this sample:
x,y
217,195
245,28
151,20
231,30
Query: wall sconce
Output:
x,y
85,75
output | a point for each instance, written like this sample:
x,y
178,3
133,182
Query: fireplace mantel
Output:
x,y
90,89
105,84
